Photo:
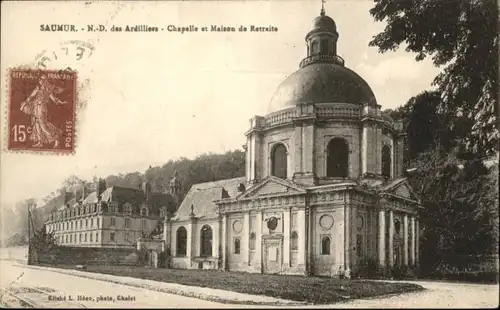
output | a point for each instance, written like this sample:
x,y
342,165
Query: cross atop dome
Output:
x,y
323,7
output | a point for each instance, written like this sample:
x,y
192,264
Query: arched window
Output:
x,y
206,241
181,241
237,246
386,161
252,241
314,48
295,238
325,246
324,47
337,158
279,161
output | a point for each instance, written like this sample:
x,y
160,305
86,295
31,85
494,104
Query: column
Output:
x,y
412,244
301,222
258,241
417,240
381,238
245,246
224,242
286,237
347,238
405,241
391,239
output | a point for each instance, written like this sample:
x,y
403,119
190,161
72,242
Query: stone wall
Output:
x,y
89,256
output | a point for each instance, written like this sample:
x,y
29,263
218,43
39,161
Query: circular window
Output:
x,y
272,223
326,222
237,226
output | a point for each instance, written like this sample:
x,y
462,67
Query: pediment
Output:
x,y
402,189
271,186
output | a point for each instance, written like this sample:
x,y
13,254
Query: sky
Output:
x,y
155,96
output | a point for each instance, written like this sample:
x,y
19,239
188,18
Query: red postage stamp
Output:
x,y
41,111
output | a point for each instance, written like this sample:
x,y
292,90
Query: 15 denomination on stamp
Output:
x,y
41,110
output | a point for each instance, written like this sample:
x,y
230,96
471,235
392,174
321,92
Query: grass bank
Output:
x,y
313,290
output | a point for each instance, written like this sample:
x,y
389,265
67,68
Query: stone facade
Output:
x,y
114,217
324,188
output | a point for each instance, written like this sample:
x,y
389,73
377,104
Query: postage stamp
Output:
x,y
41,110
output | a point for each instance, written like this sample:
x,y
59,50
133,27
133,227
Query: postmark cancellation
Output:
x,y
41,110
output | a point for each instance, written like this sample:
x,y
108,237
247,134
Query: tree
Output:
x,y
43,240
460,36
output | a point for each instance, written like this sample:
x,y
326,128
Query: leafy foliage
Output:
x,y
458,192
461,36
43,240
204,168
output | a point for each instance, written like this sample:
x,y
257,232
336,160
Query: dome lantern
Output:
x,y
322,76
322,41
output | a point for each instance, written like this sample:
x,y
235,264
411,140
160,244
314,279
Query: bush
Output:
x,y
370,269
453,273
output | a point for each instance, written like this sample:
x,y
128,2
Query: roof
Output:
x,y
323,23
91,198
321,82
202,196
136,197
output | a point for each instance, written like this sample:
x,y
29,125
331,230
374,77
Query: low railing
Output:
x,y
280,117
322,58
343,112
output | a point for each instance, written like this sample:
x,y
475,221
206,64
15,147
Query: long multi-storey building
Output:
x,y
113,216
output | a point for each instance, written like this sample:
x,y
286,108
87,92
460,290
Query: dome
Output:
x,y
324,23
322,82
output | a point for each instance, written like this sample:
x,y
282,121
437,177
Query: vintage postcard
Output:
x,y
206,154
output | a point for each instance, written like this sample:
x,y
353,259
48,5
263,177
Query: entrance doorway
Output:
x,y
272,256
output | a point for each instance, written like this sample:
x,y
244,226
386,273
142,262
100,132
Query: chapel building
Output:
x,y
324,188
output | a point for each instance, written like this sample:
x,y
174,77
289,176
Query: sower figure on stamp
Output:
x,y
36,106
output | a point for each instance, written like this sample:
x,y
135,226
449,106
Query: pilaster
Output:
x,y
248,160
298,149
301,223
190,240
224,242
308,148
259,245
286,237
310,240
399,158
405,241
347,237
245,246
365,155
